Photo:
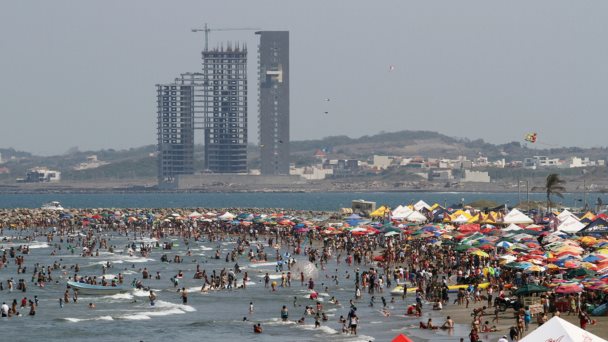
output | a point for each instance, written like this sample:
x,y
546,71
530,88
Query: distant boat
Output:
x,y
84,288
54,205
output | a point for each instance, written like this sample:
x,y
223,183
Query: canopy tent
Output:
x,y
401,212
599,226
571,225
195,214
564,215
512,227
421,205
416,217
589,216
460,219
380,212
558,329
227,216
517,217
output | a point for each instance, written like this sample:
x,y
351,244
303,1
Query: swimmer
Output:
x,y
257,328
152,298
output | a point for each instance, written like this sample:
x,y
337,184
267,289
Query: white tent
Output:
x,y
512,227
195,214
564,215
460,219
517,217
558,329
571,225
396,210
421,204
401,212
227,216
416,217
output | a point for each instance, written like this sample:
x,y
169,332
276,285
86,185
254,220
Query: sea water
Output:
x,y
302,201
208,316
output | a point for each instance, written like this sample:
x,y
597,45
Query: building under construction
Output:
x,y
175,128
215,101
274,102
225,109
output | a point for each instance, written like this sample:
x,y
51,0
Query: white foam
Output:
x,y
322,328
163,304
271,276
169,312
140,293
278,321
100,318
37,244
262,264
74,320
120,296
203,248
136,317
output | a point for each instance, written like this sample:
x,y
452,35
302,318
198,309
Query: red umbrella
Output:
x,y
402,338
568,288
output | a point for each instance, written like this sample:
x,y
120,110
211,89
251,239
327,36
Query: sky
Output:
x,y
83,73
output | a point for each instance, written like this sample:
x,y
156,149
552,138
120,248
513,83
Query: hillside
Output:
x,y
140,162
434,145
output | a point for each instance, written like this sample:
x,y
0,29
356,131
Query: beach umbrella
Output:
x,y
463,247
568,288
402,338
480,253
580,272
504,244
529,289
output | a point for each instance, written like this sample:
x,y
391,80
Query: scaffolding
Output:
x,y
225,109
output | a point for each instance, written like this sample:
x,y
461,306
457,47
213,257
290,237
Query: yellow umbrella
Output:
x,y
480,253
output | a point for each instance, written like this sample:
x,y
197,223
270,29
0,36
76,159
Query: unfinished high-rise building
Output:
x,y
175,128
225,109
274,102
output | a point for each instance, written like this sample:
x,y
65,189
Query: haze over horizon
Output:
x,y
83,73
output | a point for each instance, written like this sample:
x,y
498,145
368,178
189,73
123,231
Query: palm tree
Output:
x,y
553,186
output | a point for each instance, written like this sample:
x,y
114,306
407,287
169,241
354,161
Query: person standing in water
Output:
x,y
152,298
284,313
184,296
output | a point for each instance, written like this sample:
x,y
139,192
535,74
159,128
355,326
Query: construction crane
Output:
x,y
206,29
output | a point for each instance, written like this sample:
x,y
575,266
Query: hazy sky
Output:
x,y
83,73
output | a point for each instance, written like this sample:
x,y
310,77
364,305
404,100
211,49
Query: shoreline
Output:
x,y
137,190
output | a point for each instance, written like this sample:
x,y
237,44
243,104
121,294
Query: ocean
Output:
x,y
302,201
213,316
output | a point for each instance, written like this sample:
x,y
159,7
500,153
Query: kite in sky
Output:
x,y
530,137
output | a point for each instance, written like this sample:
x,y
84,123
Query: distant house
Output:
x,y
469,176
40,175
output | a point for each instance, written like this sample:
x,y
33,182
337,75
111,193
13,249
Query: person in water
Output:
x,y
257,328
152,297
